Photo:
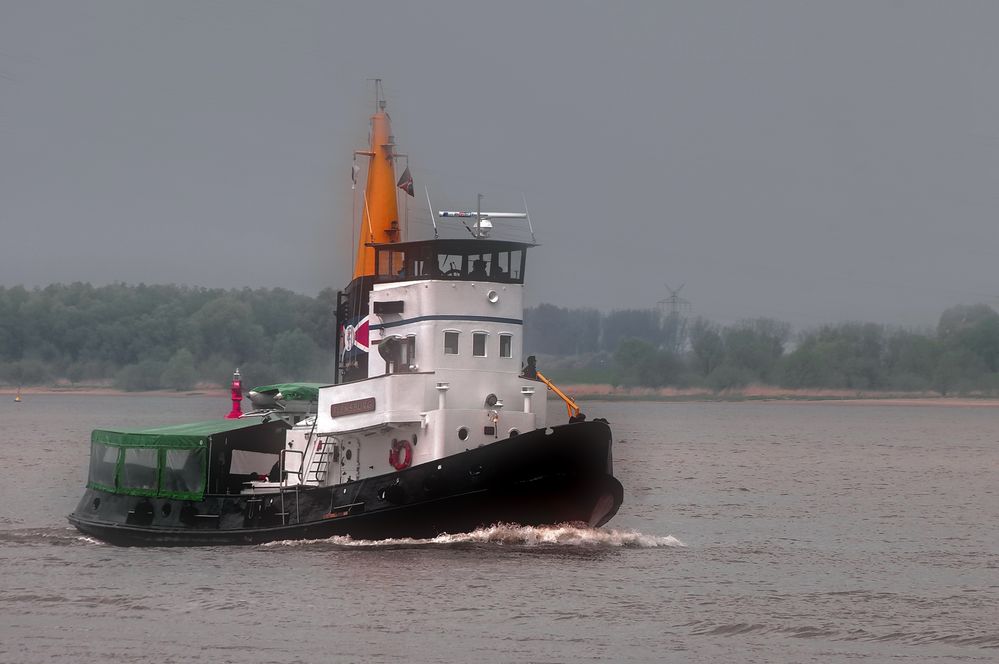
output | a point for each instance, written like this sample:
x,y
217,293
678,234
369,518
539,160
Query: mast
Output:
x,y
379,214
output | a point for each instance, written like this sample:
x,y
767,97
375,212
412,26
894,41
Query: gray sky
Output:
x,y
808,161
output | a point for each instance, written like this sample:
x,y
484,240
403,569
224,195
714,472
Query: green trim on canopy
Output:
x,y
292,391
178,436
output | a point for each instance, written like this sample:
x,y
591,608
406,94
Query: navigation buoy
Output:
x,y
237,397
17,398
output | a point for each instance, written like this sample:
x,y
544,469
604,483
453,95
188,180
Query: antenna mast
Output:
x,y
673,314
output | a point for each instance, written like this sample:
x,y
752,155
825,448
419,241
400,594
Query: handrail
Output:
x,y
285,470
571,406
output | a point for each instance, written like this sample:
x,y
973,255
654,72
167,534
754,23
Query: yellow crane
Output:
x,y
571,406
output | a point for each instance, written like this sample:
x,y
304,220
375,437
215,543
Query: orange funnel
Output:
x,y
379,213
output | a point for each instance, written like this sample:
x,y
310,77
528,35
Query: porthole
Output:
x,y
347,454
414,440
97,503
166,509
463,433
514,433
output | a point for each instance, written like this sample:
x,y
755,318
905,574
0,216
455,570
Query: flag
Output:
x,y
355,170
406,182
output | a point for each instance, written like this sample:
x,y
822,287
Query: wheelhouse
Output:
x,y
498,261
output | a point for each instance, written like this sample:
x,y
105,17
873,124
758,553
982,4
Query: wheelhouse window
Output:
x,y
392,263
479,344
451,342
506,345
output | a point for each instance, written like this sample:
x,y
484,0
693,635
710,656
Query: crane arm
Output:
x,y
571,406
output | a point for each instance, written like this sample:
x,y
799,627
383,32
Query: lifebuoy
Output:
x,y
403,460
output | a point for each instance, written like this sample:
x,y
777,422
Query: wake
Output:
x,y
64,536
504,534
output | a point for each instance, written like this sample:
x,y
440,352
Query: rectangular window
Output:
x,y
139,470
183,471
448,265
506,345
103,464
517,265
410,353
450,343
479,344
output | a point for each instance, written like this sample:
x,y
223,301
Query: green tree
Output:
x,y
180,373
848,355
631,324
957,370
706,346
144,375
755,346
972,328
295,354
729,376
640,363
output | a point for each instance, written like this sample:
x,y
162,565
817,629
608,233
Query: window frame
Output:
x,y
509,338
409,348
484,335
457,344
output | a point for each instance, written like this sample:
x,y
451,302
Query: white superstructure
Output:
x,y
443,368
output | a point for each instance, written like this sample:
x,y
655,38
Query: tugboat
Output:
x,y
431,425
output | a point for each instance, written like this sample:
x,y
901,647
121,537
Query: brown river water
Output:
x,y
750,532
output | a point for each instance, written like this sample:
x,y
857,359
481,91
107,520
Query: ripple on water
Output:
x,y
969,638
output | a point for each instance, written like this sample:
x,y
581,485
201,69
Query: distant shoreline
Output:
x,y
98,391
770,394
598,392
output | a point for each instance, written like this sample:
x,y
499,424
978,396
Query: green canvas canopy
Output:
x,y
177,436
292,391
173,461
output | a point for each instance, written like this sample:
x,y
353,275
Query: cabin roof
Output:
x,y
292,391
177,436
471,244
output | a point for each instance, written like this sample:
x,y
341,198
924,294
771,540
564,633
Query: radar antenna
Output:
x,y
483,220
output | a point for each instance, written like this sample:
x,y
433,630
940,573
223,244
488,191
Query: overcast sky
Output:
x,y
808,161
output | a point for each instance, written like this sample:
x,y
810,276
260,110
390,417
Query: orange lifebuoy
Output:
x,y
404,460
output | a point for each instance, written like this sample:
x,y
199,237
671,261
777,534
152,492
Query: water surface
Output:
x,y
750,533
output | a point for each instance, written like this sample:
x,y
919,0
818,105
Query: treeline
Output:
x,y
149,337
641,348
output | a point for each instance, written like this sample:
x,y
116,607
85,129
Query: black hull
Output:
x,y
537,478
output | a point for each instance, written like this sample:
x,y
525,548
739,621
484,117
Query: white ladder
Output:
x,y
319,464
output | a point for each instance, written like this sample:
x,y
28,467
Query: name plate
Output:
x,y
355,407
